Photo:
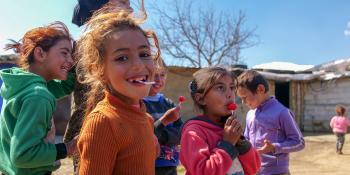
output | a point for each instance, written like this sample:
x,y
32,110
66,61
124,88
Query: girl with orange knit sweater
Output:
x,y
115,57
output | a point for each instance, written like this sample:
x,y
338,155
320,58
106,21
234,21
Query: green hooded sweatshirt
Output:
x,y
29,103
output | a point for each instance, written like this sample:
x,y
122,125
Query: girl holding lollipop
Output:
x,y
211,143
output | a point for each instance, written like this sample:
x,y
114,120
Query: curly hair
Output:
x,y
90,49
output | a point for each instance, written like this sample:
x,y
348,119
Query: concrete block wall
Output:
x,y
321,98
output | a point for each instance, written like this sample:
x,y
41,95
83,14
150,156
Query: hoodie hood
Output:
x,y
16,80
204,122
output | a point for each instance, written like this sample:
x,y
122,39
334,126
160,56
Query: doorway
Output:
x,y
282,93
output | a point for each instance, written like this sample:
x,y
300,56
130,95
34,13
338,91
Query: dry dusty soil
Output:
x,y
318,157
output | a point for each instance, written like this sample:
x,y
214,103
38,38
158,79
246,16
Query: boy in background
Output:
x,y
167,123
270,126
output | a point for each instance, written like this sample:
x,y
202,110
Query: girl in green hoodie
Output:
x,y
30,94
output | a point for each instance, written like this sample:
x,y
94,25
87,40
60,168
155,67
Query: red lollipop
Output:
x,y
181,100
232,107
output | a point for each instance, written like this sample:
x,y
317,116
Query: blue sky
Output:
x,y
298,31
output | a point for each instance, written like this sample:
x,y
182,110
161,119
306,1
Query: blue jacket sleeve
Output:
x,y
168,135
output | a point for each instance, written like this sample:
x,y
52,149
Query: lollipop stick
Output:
x,y
146,82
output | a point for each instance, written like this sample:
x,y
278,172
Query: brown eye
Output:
x,y
145,55
122,59
65,54
221,88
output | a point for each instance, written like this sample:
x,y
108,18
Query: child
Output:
x,y
270,126
115,58
164,113
26,141
340,124
210,144
82,13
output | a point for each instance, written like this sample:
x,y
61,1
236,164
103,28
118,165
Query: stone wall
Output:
x,y
320,100
178,79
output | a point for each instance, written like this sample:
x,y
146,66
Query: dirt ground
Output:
x,y
318,157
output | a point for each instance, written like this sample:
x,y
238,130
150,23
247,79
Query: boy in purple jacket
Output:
x,y
270,126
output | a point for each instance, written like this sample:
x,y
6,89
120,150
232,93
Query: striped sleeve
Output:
x,y
294,139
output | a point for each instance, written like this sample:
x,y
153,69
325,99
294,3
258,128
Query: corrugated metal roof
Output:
x,y
283,66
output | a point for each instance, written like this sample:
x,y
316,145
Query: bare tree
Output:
x,y
201,37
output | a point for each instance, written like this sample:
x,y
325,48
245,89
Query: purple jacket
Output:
x,y
274,122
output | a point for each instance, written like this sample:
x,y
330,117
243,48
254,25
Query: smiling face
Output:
x,y
218,97
58,60
159,79
128,60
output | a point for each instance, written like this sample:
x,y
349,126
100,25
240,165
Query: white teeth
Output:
x,y
138,79
141,80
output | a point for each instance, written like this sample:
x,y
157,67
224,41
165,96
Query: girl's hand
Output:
x,y
51,135
171,115
232,130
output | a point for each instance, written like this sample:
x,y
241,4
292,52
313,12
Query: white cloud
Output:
x,y
347,30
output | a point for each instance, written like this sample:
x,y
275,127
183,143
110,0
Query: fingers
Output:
x,y
233,125
174,110
177,108
229,121
260,151
236,126
240,131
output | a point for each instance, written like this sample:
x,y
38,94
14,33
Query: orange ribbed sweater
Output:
x,y
117,139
